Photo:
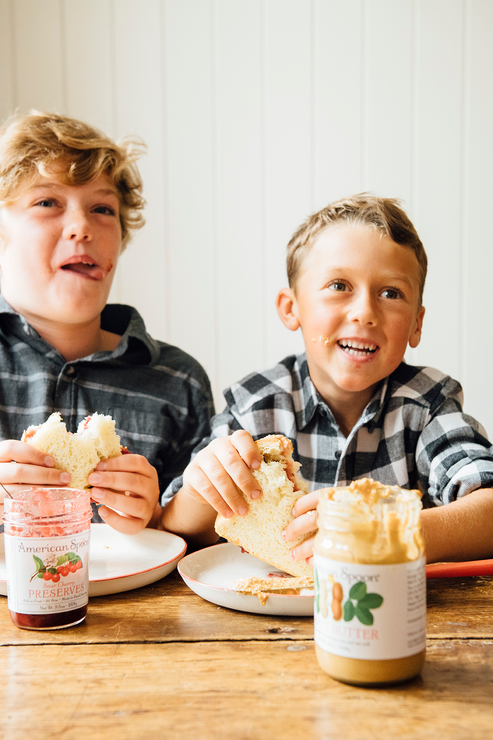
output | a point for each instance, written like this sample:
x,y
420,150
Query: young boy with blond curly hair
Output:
x,y
70,199
350,404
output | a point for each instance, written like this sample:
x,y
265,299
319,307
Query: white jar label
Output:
x,y
370,612
47,575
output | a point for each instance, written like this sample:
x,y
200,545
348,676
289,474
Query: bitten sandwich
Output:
x,y
77,454
259,531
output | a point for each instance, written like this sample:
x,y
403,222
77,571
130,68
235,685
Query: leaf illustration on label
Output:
x,y
358,591
359,604
371,601
40,568
348,610
364,615
61,560
38,563
317,594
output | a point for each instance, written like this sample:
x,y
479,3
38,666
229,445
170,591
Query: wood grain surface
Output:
x,y
168,611
162,662
241,690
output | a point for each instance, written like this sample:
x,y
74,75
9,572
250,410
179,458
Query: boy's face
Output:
x,y
59,247
359,290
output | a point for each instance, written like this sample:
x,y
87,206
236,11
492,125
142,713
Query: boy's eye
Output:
x,y
46,203
105,210
392,293
338,286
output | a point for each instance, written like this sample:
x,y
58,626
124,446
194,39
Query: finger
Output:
x,y
301,525
247,449
34,475
123,524
222,480
21,452
235,467
303,551
124,503
306,503
127,463
225,501
121,481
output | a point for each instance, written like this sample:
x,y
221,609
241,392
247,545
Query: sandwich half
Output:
x,y
77,454
259,531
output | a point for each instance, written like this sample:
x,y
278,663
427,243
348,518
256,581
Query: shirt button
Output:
x,y
337,454
70,370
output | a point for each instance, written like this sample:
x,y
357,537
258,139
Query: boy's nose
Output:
x,y
363,310
77,227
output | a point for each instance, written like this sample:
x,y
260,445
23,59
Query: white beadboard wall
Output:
x,y
258,112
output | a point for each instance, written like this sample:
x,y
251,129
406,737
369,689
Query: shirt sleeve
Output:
x,y
454,456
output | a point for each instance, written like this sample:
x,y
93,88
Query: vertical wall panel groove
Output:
x,y
256,113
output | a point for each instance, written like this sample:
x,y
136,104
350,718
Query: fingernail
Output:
x,y
49,462
101,466
255,494
227,514
291,554
94,478
99,496
65,478
242,510
283,535
255,464
293,513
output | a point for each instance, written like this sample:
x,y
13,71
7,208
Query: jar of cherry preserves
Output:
x,y
46,537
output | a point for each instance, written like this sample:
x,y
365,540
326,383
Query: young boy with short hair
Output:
x,y
350,405
70,198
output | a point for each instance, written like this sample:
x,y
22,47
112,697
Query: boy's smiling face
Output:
x,y
359,290
59,247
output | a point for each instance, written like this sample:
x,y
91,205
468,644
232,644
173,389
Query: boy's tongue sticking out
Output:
x,y
84,265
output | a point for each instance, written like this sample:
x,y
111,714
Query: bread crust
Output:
x,y
259,531
77,454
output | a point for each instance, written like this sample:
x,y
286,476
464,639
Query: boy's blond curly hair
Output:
x,y
40,143
383,214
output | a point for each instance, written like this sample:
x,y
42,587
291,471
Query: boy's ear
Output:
x,y
287,308
416,335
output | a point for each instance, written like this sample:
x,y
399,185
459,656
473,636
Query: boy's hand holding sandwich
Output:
x,y
213,484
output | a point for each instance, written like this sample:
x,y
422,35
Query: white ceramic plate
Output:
x,y
211,573
120,562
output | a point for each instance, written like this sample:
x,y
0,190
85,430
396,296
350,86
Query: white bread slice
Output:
x,y
259,531
101,429
78,454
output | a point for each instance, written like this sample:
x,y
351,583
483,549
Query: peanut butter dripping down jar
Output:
x,y
370,584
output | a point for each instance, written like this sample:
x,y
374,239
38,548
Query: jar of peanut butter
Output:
x,y
370,584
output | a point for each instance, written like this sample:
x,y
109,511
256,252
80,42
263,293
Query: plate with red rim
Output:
x,y
211,573
121,562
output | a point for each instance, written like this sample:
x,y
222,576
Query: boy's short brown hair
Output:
x,y
367,209
38,143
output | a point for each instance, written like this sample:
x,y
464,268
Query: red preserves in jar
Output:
x,y
46,536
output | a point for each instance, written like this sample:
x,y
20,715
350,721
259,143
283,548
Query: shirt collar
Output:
x,y
117,318
308,401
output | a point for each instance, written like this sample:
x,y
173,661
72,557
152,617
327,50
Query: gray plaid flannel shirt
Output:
x,y
413,433
159,396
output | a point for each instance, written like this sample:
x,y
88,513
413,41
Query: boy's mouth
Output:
x,y
83,265
358,349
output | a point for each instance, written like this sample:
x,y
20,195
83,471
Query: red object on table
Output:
x,y
453,570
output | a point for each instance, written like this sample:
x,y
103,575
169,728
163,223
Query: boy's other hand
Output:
x,y
128,487
219,472
22,465
305,520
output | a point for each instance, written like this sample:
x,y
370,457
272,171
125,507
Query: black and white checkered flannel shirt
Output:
x,y
413,433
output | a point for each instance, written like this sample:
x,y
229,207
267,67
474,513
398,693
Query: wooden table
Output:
x,y
160,662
